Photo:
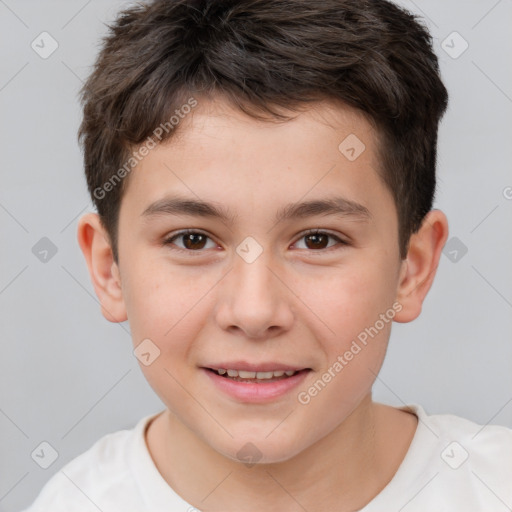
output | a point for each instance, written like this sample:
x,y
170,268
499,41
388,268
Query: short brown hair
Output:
x,y
262,55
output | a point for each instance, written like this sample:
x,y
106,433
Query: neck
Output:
x,y
342,471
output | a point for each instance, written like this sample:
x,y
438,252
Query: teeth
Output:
x,y
246,375
255,375
262,375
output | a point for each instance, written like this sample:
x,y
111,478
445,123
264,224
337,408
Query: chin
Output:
x,y
260,451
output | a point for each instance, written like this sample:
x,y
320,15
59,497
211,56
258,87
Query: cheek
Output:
x,y
160,298
346,300
169,308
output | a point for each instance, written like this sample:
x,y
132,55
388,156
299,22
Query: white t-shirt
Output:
x,y
452,465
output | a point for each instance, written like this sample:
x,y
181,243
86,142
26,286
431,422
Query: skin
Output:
x,y
296,304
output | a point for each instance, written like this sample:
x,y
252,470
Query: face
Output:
x,y
293,263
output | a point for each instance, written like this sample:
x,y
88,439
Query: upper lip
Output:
x,y
255,367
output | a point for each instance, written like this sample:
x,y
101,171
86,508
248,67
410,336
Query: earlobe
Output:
x,y
95,245
419,267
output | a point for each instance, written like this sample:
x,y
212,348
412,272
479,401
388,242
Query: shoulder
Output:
x,y
480,440
91,480
470,458
451,464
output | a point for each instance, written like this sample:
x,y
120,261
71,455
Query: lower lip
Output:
x,y
256,392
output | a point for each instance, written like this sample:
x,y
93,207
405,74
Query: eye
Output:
x,y
193,241
196,241
318,240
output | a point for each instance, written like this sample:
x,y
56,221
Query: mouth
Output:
x,y
256,384
255,377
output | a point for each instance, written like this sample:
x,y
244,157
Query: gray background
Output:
x,y
68,376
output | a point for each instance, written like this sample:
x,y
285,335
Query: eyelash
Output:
x,y
169,240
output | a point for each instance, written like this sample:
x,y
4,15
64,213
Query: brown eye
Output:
x,y
320,240
316,241
192,241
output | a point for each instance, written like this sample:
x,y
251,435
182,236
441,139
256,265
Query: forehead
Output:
x,y
213,119
220,153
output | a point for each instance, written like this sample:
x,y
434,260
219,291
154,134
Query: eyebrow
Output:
x,y
336,206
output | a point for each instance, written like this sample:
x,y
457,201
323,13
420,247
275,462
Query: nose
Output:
x,y
254,299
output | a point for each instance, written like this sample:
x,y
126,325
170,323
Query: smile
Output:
x,y
255,387
242,375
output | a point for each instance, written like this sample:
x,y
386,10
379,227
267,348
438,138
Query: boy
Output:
x,y
264,174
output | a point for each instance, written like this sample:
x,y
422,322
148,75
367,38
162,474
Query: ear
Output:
x,y
95,244
420,265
